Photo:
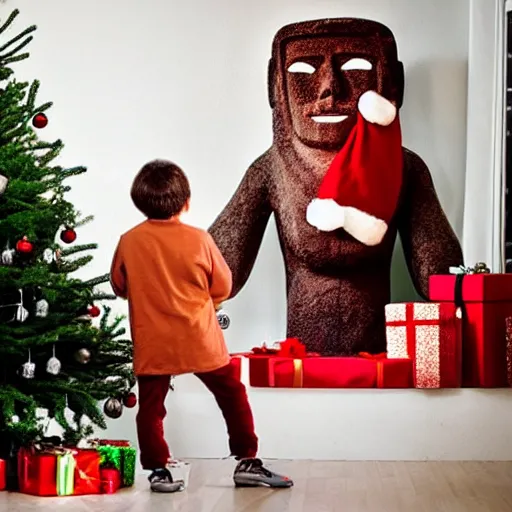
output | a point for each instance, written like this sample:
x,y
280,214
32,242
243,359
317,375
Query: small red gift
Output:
x,y
292,367
430,335
486,302
111,480
3,470
58,472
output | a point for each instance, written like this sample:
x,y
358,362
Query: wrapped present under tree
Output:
x,y
119,455
54,471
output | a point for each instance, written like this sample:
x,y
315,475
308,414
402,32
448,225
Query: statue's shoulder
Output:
x,y
412,159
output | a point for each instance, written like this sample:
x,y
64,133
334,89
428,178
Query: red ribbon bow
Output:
x,y
293,348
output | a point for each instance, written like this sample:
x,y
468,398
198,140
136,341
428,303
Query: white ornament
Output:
x,y
53,365
28,370
48,256
42,308
8,256
21,313
3,183
15,419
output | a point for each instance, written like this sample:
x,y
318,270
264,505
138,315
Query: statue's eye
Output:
x,y
357,63
301,67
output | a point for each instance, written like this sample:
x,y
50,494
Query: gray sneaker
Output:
x,y
252,473
161,480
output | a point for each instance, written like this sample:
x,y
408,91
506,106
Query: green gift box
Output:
x,y
119,455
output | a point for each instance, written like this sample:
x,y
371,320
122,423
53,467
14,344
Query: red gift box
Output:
x,y
487,302
289,366
87,472
37,472
430,335
110,480
3,470
329,372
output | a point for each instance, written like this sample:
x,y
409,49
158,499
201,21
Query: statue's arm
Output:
x,y
429,242
238,230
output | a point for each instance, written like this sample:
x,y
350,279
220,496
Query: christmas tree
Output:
x,y
54,362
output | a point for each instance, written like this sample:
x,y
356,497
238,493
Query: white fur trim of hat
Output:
x,y
328,215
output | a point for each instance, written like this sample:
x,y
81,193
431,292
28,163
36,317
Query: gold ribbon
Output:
x,y
298,373
380,374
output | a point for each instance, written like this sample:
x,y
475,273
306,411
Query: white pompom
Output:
x,y
376,109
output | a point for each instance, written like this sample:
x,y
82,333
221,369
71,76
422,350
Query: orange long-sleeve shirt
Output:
x,y
172,274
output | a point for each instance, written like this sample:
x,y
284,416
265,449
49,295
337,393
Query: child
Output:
x,y
173,276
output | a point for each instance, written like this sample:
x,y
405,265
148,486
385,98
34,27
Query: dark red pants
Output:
x,y
231,397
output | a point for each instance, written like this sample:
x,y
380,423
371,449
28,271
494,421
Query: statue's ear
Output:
x,y
271,82
399,82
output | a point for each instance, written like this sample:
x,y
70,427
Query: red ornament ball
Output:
x,y
24,246
130,400
94,311
68,236
40,120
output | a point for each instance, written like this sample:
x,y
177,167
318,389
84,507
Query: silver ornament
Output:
x,y
15,419
113,408
83,356
8,256
53,365
48,256
223,319
42,308
28,370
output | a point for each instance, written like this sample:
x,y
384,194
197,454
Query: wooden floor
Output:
x,y
319,487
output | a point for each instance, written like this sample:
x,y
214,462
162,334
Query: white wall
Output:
x,y
136,80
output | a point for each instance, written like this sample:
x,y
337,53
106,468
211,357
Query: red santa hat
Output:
x,y
360,190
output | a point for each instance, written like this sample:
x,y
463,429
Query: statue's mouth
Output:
x,y
329,118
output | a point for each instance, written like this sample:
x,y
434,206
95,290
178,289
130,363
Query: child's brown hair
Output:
x,y
160,190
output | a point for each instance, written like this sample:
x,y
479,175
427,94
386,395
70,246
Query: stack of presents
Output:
x,y
50,469
462,337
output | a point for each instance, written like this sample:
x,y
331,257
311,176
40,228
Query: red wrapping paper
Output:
x,y
488,302
329,372
430,335
87,472
110,480
3,470
37,472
